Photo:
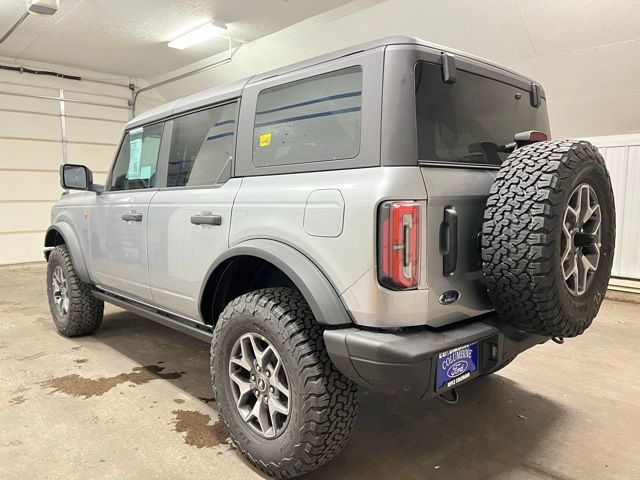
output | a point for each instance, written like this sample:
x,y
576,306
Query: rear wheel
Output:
x,y
74,309
548,237
287,407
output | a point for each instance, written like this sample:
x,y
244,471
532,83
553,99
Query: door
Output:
x,y
189,219
118,221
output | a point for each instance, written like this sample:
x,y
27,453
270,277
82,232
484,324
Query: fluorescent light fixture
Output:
x,y
198,35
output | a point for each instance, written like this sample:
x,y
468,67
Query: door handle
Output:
x,y
449,240
206,220
132,217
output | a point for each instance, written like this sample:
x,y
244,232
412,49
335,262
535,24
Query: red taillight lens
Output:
x,y
537,136
399,245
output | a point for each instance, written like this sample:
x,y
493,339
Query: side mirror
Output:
x,y
77,177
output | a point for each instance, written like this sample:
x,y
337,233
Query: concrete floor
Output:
x,y
84,408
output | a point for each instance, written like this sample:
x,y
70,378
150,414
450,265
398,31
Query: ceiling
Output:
x,y
128,37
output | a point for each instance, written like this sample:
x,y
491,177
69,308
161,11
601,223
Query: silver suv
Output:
x,y
391,215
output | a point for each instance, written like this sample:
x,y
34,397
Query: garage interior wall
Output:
x,y
586,70
31,147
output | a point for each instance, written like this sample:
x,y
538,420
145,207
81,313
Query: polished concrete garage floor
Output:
x,y
134,402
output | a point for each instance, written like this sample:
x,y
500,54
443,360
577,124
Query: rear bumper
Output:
x,y
404,362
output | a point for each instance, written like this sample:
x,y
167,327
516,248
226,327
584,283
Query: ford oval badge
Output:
x,y
449,297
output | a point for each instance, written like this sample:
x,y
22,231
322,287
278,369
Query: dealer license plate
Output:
x,y
456,366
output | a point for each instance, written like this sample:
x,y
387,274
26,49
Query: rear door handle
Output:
x,y
206,220
132,217
449,240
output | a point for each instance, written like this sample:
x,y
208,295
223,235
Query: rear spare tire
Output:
x,y
548,237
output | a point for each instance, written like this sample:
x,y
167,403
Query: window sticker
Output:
x,y
265,140
145,172
135,149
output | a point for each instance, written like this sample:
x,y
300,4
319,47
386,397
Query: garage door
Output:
x,y
31,149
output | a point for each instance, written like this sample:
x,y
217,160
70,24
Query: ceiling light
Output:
x,y
43,7
199,35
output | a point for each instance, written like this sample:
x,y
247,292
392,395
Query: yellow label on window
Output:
x,y
265,140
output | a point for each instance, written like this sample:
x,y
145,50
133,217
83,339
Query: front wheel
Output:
x,y
287,407
74,309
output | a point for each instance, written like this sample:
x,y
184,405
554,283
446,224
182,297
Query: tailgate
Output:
x,y
463,192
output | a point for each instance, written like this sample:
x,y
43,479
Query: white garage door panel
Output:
x,y
93,111
24,217
11,102
30,186
29,155
23,87
97,157
25,125
99,178
116,98
20,248
81,130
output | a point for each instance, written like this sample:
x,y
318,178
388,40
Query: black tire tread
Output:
x,y
520,223
330,399
85,311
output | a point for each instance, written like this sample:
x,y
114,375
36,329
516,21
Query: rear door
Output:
x,y
189,219
118,221
461,127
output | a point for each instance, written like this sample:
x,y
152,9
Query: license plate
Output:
x,y
456,366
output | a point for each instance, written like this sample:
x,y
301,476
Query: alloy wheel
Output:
x,y
60,291
260,385
581,239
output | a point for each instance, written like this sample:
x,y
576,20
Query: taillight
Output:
x,y
399,245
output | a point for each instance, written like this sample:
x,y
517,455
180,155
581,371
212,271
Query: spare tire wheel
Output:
x,y
548,237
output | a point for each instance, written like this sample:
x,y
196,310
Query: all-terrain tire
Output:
x,y
522,236
84,314
323,405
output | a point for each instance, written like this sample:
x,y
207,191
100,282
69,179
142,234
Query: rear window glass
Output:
x,y
468,121
312,120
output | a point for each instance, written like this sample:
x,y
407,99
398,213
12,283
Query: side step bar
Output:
x,y
195,329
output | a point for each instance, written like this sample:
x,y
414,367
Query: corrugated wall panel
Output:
x,y
629,244
622,156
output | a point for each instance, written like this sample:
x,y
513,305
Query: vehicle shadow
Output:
x,y
493,430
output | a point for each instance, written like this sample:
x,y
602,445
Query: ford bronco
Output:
x,y
393,215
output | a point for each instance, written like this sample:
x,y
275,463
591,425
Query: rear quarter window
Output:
x,y
202,147
312,120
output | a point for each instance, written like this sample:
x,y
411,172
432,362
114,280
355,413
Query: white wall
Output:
x,y
584,52
31,148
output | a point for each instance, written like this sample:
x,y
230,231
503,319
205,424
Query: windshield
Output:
x,y
468,121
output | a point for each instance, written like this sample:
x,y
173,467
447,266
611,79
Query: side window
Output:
x,y
135,167
202,147
312,120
